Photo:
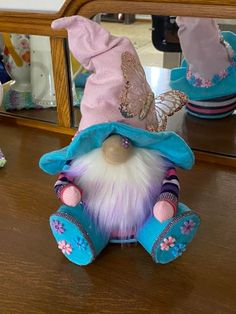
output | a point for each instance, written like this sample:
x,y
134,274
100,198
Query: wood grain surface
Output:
x,y
175,8
36,278
19,121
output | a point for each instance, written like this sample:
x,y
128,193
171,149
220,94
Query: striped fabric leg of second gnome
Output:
x,y
213,109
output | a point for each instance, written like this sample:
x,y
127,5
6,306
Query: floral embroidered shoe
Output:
x,y
168,240
76,236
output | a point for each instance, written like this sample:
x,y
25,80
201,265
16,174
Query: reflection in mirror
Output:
x,y
158,46
78,79
27,77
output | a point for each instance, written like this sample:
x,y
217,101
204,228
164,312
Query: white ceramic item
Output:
x,y
43,92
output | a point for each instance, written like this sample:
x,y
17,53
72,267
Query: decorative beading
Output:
x,y
195,79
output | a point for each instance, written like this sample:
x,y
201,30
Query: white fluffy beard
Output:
x,y
119,197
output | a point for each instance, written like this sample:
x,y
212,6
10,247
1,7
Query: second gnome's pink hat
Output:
x,y
117,89
209,68
204,48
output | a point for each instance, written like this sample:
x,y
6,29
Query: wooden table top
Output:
x,y
36,278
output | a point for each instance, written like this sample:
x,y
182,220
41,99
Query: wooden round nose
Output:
x,y
117,149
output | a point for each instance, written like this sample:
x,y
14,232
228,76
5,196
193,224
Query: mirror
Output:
x,y
29,91
27,77
213,136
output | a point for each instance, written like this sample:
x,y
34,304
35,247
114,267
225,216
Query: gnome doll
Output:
x,y
208,72
117,178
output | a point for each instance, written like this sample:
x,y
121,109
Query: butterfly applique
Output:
x,y
138,100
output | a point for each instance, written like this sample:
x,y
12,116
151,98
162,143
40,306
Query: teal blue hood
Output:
x,y
168,144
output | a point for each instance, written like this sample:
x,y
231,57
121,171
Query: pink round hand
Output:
x,y
71,195
163,211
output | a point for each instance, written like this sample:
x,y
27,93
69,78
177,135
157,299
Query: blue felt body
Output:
x,y
225,87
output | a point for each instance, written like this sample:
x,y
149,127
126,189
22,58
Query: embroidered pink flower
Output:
x,y
207,83
65,247
223,74
187,226
167,243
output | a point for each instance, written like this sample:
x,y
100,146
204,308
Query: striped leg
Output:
x,y
166,205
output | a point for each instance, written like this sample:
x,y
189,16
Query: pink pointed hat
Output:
x,y
209,68
99,52
117,90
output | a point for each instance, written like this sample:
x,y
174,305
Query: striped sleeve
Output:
x,y
62,181
170,188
